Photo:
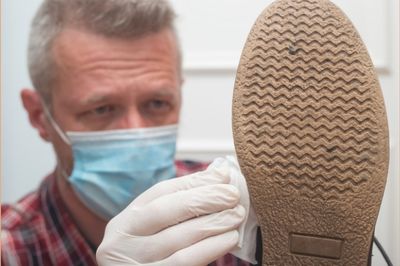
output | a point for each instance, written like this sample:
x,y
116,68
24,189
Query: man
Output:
x,y
107,78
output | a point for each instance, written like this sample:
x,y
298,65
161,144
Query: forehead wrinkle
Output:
x,y
120,52
131,66
132,69
89,60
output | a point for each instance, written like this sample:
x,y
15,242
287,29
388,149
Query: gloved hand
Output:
x,y
187,221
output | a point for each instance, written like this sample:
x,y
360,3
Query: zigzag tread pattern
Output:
x,y
309,118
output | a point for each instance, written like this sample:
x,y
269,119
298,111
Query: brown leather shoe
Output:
x,y
311,134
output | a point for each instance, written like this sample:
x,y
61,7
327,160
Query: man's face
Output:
x,y
106,84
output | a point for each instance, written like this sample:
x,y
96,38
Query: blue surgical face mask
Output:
x,y
111,168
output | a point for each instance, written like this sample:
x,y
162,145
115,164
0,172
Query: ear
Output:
x,y
182,81
33,105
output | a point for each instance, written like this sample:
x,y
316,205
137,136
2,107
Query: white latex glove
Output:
x,y
187,221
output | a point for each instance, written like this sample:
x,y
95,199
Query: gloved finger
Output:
x,y
182,183
188,233
203,252
174,208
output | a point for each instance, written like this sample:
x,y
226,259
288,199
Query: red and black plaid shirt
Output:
x,y
38,230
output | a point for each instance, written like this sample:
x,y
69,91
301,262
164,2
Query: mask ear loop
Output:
x,y
55,125
62,135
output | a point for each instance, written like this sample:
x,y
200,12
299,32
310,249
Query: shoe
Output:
x,y
311,134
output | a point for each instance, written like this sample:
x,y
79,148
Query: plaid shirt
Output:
x,y
38,230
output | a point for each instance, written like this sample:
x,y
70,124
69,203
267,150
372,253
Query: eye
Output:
x,y
158,104
157,107
103,110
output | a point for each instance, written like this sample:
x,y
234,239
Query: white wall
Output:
x,y
212,34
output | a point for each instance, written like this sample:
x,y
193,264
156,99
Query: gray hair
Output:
x,y
110,18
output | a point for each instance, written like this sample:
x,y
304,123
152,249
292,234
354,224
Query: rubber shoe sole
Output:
x,y
311,134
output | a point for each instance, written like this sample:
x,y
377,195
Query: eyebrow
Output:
x,y
99,97
163,93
